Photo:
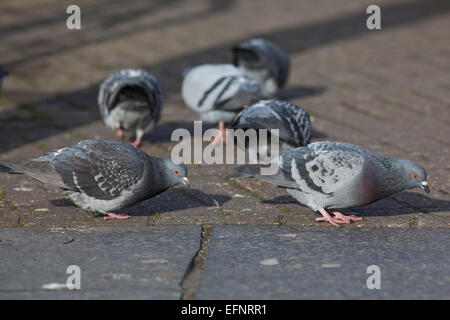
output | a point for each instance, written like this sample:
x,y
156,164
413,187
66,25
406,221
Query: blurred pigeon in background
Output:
x,y
130,99
333,175
101,175
264,62
3,73
292,122
217,92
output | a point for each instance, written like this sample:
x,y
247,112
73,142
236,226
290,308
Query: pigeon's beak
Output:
x,y
187,183
425,186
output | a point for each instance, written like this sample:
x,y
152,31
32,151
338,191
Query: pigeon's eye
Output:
x,y
415,175
176,171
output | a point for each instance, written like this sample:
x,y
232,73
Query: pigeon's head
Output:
x,y
176,173
414,175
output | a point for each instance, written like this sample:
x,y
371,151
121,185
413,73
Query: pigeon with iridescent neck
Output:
x,y
328,176
102,176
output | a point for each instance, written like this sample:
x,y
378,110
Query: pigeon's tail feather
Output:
x,y
246,171
6,167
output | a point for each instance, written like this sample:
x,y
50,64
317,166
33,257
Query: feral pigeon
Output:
x,y
292,122
3,73
130,99
101,175
333,175
264,62
217,92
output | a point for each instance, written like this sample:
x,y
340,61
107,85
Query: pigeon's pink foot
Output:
x,y
328,218
112,215
338,217
222,135
347,218
136,143
119,133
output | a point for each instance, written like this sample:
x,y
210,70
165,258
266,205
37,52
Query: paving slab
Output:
x,y
125,263
325,263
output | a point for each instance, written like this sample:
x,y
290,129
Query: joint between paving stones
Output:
x,y
194,272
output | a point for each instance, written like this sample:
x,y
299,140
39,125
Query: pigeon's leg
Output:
x,y
138,141
222,135
119,133
343,217
327,217
112,215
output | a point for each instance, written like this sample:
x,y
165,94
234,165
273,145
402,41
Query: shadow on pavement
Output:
x,y
300,92
105,20
409,203
169,201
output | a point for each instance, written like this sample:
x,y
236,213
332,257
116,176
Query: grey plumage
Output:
x,y
3,73
264,62
217,92
130,99
333,175
293,122
102,175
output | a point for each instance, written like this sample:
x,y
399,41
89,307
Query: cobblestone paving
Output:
x,y
387,90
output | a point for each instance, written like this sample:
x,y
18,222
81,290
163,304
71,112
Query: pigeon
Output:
x,y
102,176
217,92
130,99
292,122
3,73
327,176
264,62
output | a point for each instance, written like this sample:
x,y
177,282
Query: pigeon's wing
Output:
x,y
272,122
311,169
100,169
292,121
39,169
231,93
218,87
273,57
149,88
322,171
281,177
246,92
299,124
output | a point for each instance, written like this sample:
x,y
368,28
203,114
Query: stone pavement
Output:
x,y
314,263
387,90
136,263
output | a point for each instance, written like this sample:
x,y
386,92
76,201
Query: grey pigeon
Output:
x,y
292,122
3,73
217,92
264,62
101,175
130,99
333,175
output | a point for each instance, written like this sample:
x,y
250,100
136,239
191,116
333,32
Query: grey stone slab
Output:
x,y
325,263
125,263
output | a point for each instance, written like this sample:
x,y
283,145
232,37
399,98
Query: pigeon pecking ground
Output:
x,y
384,90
